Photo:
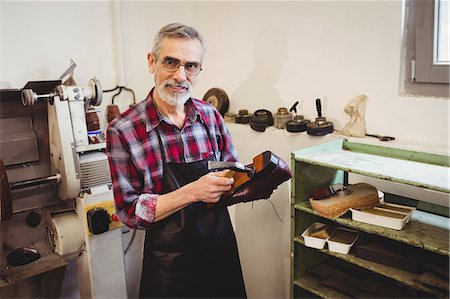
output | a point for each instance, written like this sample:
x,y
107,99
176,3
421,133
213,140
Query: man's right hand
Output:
x,y
210,187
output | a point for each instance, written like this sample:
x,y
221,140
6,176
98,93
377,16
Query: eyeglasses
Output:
x,y
171,65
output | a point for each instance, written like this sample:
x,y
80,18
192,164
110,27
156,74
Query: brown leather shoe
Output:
x,y
270,172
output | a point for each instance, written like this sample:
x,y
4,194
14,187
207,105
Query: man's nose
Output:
x,y
180,74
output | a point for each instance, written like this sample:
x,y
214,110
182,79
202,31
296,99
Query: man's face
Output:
x,y
175,87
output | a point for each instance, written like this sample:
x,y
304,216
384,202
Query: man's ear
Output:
x,y
151,60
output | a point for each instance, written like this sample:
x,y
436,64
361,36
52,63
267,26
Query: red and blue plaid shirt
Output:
x,y
135,157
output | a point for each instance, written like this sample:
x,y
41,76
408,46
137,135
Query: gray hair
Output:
x,y
177,30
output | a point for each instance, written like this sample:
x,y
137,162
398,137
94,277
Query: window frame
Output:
x,y
420,76
426,70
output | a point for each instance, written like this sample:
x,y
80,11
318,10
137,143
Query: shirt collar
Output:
x,y
154,118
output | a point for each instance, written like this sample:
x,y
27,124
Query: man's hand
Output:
x,y
210,187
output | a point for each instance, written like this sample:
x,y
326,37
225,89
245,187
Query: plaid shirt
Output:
x,y
135,157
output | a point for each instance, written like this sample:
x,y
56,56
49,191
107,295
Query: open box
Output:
x,y
342,240
316,235
385,214
396,208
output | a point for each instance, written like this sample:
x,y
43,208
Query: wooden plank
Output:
x,y
406,278
415,173
424,230
407,172
397,153
313,286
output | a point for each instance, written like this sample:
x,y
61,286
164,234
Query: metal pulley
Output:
x,y
218,98
281,117
243,117
297,124
261,119
92,94
229,117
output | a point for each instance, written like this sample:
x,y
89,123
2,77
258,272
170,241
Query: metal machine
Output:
x,y
60,190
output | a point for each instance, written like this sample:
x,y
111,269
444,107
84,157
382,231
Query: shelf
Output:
x,y
406,278
396,165
426,234
48,261
432,229
313,286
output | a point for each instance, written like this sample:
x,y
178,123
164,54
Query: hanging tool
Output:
x,y
112,110
321,126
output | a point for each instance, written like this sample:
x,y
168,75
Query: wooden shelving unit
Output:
x,y
331,163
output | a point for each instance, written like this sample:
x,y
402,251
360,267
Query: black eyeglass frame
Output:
x,y
178,64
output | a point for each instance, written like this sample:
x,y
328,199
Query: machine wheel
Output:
x,y
218,98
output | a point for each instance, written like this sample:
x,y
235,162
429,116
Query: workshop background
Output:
x,y
265,55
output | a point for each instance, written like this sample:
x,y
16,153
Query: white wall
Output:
x,y
271,54
264,55
39,38
263,227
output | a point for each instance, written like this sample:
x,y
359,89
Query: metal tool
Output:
x,y
34,182
236,166
281,117
261,119
333,190
229,117
298,123
321,126
381,138
218,98
92,94
243,117
56,173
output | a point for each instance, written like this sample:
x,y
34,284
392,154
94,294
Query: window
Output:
x,y
426,65
441,29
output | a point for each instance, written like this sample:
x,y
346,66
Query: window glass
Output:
x,y
441,30
426,49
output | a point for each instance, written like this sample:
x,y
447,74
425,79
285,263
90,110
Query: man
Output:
x,y
158,153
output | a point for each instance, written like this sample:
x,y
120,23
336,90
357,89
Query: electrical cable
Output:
x,y
131,242
274,208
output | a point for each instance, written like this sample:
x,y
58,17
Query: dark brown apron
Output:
x,y
192,253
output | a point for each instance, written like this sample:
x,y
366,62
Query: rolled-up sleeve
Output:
x,y
134,209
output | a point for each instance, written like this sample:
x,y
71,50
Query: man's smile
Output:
x,y
177,87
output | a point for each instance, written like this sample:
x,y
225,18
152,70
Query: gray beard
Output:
x,y
174,100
